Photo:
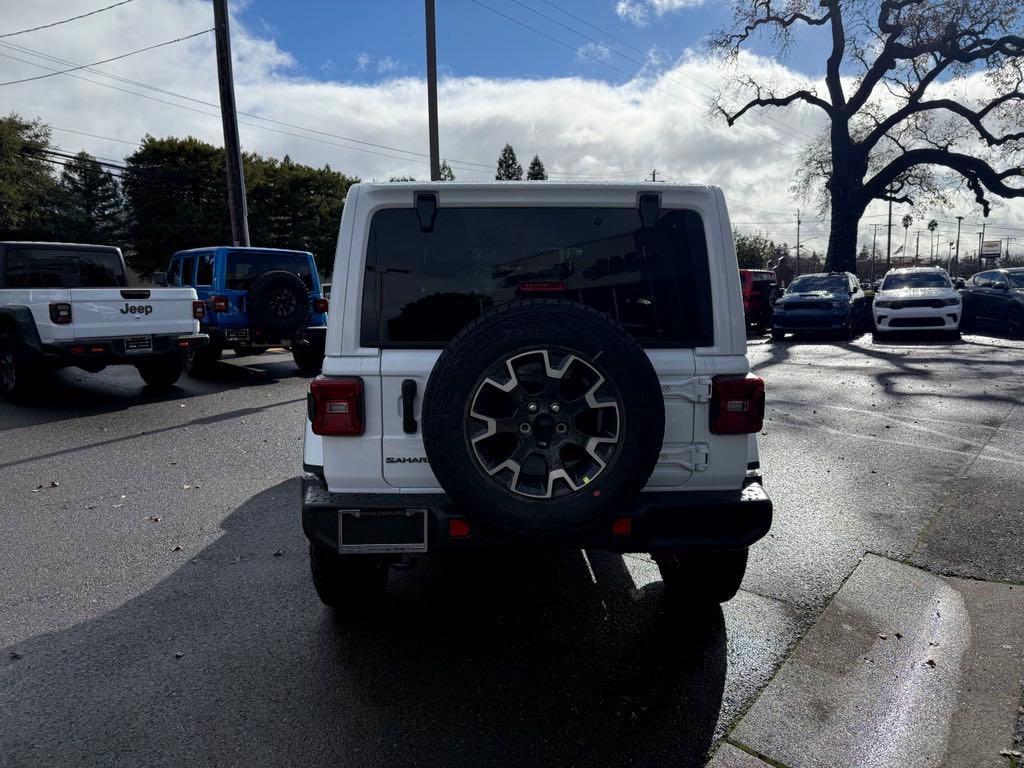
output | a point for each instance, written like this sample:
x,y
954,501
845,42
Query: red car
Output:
x,y
759,287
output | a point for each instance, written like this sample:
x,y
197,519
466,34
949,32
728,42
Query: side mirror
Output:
x,y
959,283
160,278
1001,286
854,290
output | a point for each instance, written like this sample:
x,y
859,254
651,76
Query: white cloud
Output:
x,y
593,51
388,64
580,127
638,11
633,11
363,61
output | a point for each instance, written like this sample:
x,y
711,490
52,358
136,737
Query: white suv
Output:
x,y
534,364
917,299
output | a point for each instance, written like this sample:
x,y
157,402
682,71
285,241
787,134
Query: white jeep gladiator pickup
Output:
x,y
534,364
64,304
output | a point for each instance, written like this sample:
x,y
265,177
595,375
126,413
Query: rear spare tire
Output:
x,y
542,418
279,303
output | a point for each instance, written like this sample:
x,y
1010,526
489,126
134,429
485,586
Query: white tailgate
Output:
x,y
404,459
115,312
405,462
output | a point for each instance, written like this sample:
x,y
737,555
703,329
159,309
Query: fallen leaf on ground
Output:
x,y
177,548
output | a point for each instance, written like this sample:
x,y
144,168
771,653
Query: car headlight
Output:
x,y
951,302
883,303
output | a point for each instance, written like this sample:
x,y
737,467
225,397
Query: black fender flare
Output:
x,y
20,320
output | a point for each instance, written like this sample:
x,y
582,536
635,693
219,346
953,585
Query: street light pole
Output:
x,y
888,244
874,238
798,242
959,220
435,161
229,117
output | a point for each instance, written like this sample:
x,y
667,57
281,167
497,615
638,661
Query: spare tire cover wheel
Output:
x,y
279,301
542,417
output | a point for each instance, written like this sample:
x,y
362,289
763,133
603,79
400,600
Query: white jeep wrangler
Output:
x,y
67,304
534,364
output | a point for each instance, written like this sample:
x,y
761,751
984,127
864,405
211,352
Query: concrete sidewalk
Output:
x,y
903,668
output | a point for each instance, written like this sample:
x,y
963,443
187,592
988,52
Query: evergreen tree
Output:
x,y
536,171
447,174
509,168
91,203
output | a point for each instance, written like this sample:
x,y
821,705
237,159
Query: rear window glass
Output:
x,y
62,268
422,288
915,280
243,267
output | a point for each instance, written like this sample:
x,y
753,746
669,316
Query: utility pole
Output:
x,y
229,117
888,242
981,241
959,220
435,160
917,248
874,238
798,242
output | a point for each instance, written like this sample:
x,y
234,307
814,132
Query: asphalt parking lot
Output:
x,y
157,607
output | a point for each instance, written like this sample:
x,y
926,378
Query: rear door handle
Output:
x,y
408,403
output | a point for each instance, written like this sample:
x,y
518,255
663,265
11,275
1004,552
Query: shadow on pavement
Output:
x,y
476,661
72,393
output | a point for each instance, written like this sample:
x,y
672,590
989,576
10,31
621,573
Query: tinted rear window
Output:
x,y
62,268
422,288
243,267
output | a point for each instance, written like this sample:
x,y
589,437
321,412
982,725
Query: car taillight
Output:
x,y
737,405
220,303
60,313
198,309
336,405
320,306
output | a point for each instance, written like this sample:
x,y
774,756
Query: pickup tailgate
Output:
x,y
116,312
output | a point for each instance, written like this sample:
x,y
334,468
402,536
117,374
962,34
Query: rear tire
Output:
x,y
702,577
348,583
201,362
309,361
18,376
162,373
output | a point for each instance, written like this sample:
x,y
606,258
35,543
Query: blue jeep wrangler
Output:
x,y
256,298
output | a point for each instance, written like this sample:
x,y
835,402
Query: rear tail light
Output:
x,y
220,303
542,286
737,405
198,309
320,306
60,313
336,406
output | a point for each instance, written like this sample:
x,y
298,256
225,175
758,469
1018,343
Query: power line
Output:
x,y
112,58
573,48
65,21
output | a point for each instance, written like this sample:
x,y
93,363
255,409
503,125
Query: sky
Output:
x,y
598,88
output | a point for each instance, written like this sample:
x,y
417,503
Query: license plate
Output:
x,y
382,531
237,335
135,344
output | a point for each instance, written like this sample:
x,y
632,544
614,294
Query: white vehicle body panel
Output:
x,y
691,456
915,307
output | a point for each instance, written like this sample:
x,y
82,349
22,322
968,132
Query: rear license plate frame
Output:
x,y
407,530
138,345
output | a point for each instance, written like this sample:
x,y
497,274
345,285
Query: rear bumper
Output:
x,y
312,336
112,351
715,520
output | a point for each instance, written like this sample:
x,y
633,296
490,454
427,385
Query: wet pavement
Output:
x,y
158,608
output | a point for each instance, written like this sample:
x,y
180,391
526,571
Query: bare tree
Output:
x,y
899,127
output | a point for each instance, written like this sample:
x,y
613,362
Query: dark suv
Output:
x,y
995,298
831,302
256,298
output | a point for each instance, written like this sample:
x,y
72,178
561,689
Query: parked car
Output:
x,y
66,304
256,298
917,299
826,302
758,287
995,298
534,365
